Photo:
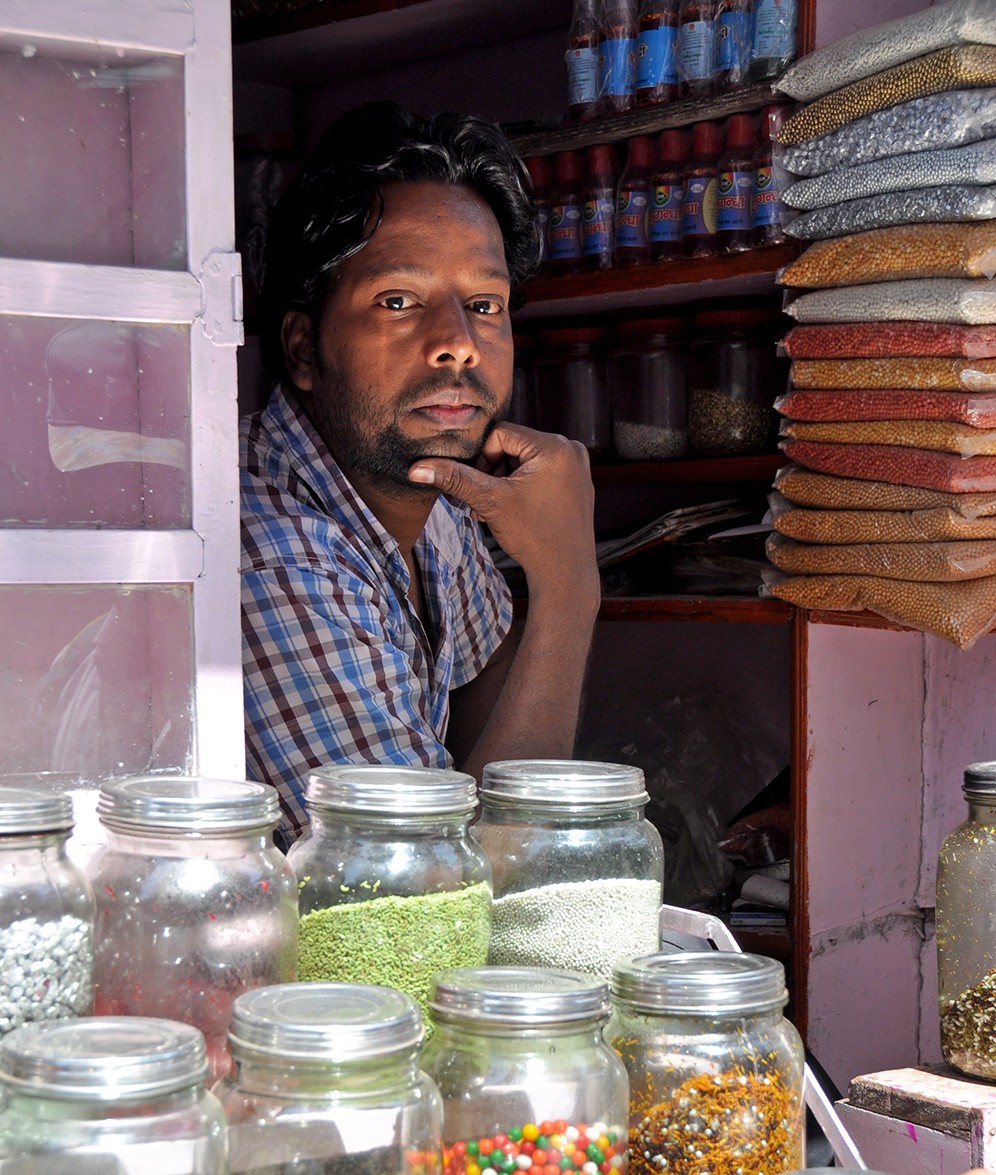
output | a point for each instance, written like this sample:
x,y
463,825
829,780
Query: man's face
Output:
x,y
414,355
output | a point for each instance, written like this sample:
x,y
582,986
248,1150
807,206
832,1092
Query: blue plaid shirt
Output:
x,y
337,666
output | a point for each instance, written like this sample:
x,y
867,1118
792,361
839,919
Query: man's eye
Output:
x,y
486,306
396,302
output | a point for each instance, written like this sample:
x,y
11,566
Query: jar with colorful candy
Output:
x,y
715,1069
326,1077
527,1081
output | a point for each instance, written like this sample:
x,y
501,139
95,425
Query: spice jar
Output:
x,y
735,374
122,1094
393,887
715,1070
966,946
646,379
46,912
571,397
325,1077
194,902
578,870
527,1081
656,70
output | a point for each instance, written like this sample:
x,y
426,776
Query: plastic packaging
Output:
x,y
523,1070
540,168
937,435
667,193
807,488
578,869
734,26
870,339
582,61
938,525
886,45
966,954
647,381
947,69
195,904
633,203
393,886
930,123
571,397
953,202
656,69
896,253
566,212
46,913
769,181
894,463
698,206
696,48
363,1105
617,56
716,1071
850,403
896,374
774,33
599,216
122,1094
965,300
735,180
927,561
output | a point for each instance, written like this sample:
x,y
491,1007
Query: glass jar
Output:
x,y
966,930
646,380
46,912
121,1094
578,871
715,1070
326,1077
735,374
393,887
194,902
526,1079
571,397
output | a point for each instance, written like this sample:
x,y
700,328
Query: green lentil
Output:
x,y
398,942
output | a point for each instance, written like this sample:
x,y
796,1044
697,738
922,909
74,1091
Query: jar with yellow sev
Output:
x,y
715,1069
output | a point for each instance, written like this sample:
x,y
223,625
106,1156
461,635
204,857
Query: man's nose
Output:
x,y
451,338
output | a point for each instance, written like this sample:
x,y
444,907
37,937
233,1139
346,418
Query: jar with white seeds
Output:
x,y
578,870
46,913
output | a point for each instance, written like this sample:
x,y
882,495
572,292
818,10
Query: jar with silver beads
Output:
x,y
195,904
46,912
578,870
121,1094
326,1077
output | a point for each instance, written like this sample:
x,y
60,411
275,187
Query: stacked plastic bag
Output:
x,y
890,420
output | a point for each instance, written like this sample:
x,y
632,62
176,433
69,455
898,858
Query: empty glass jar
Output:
x,y
647,388
526,1079
966,930
715,1070
46,912
578,871
326,1078
108,1094
571,396
194,902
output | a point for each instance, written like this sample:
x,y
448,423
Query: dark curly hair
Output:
x,y
335,204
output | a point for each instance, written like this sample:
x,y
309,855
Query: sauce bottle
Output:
x,y
632,203
696,48
735,176
774,45
656,67
769,181
540,171
582,62
733,42
598,220
698,208
667,191
617,56
564,232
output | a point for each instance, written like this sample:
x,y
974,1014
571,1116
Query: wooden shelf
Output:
x,y
711,609
759,467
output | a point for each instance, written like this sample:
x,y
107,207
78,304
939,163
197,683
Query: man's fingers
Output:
x,y
479,490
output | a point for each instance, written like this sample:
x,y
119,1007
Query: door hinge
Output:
x,y
221,308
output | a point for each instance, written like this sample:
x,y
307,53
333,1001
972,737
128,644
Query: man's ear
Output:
x,y
297,337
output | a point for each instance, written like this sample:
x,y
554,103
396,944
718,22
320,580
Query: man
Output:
x,y
376,628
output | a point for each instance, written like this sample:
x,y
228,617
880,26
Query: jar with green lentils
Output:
x,y
966,930
392,886
578,870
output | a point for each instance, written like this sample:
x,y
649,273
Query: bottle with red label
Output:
x,y
656,65
735,177
582,61
633,202
733,42
617,56
599,215
698,208
540,168
564,231
667,192
696,48
766,206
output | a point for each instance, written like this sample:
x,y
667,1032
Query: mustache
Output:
x,y
445,380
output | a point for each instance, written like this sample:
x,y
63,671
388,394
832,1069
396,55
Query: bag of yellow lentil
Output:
x,y
877,526
943,436
804,487
832,404
944,375
938,299
927,562
901,251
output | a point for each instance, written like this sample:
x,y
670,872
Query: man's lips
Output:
x,y
455,411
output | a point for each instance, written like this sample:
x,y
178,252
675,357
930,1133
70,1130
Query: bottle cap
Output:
x,y
573,785
707,138
569,167
540,168
673,145
629,328
390,791
187,804
640,151
773,118
716,984
601,160
517,997
741,130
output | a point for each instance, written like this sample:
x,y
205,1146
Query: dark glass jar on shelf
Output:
x,y
617,56
696,48
571,397
646,375
735,178
667,192
656,65
698,207
599,215
582,61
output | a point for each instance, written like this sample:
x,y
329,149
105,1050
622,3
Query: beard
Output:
x,y
383,453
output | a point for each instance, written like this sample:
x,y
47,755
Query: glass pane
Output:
x,y
98,144
97,424
96,681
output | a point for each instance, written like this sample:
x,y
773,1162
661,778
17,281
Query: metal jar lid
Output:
x,y
103,1058
24,812
331,1022
187,804
396,792
517,997
980,781
565,784
699,983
